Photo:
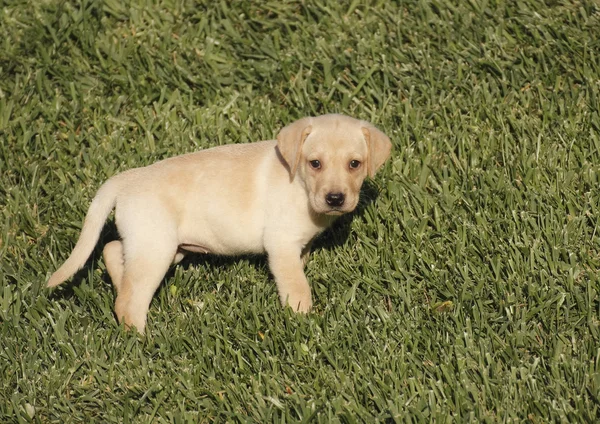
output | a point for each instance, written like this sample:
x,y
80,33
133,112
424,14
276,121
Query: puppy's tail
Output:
x,y
101,206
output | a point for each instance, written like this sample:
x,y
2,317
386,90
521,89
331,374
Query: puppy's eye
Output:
x,y
354,164
315,164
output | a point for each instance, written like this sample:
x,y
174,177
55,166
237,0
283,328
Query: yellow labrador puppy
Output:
x,y
269,197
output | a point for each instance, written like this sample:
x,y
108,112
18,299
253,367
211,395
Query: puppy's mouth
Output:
x,y
335,212
333,205
325,209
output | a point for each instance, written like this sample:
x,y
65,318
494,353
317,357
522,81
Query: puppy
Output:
x,y
269,197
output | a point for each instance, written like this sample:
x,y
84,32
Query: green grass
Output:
x,y
466,290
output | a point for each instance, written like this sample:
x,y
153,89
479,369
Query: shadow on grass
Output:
x,y
67,289
332,238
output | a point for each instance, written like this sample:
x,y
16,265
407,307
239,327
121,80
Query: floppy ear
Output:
x,y
379,147
290,140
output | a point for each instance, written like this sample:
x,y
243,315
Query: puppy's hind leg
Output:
x,y
114,261
145,266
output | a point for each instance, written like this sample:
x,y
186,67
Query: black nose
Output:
x,y
335,199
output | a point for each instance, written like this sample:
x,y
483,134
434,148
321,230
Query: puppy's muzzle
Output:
x,y
335,200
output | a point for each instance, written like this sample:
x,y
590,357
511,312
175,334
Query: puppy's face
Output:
x,y
332,155
333,167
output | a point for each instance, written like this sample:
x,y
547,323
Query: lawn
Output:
x,y
464,288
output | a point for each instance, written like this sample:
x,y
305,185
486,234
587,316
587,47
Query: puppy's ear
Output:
x,y
379,146
290,140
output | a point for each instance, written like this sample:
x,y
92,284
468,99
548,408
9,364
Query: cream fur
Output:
x,y
264,197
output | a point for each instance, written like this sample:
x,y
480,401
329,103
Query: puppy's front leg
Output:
x,y
306,253
287,268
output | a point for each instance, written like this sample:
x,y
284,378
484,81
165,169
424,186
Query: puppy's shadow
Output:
x,y
67,291
338,233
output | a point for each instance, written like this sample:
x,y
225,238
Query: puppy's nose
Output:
x,y
335,199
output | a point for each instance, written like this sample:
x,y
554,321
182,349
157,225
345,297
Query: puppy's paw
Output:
x,y
300,302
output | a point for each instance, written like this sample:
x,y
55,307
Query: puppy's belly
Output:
x,y
209,237
221,246
193,248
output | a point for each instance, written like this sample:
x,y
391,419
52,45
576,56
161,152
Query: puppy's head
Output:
x,y
332,155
